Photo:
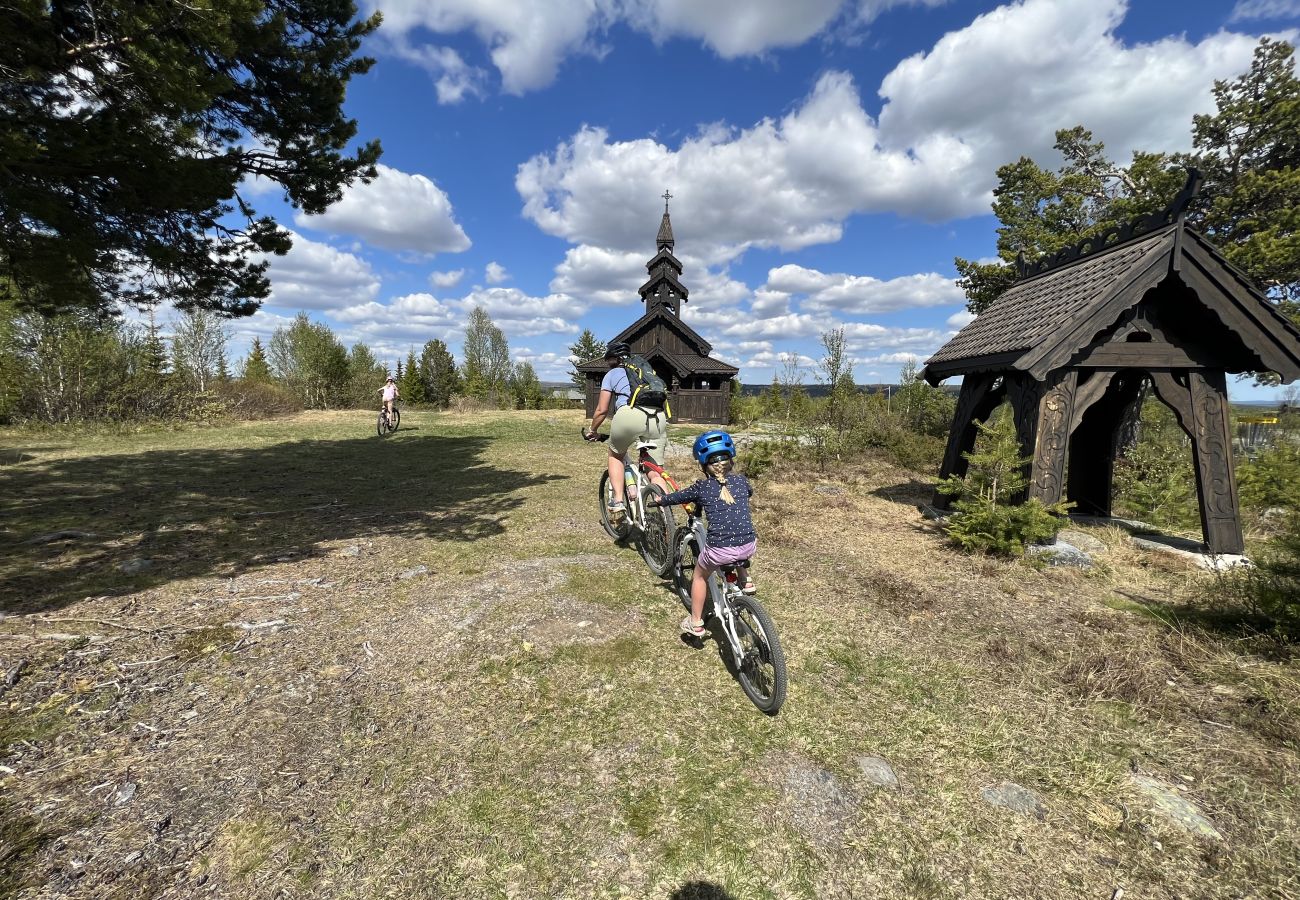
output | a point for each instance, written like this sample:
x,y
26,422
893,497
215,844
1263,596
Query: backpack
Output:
x,y
648,389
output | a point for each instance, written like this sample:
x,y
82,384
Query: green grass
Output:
x,y
458,733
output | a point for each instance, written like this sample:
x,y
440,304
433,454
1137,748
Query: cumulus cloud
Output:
x,y
959,320
313,275
453,78
520,315
862,294
446,279
396,211
495,273
983,95
600,276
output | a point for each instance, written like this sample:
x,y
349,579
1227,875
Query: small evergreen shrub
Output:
x,y
1271,589
984,518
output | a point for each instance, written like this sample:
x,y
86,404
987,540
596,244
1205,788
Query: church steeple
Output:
x,y
664,240
664,289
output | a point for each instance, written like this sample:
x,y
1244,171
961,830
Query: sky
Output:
x,y
827,160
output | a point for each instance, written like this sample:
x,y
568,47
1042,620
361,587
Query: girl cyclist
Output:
x,y
724,497
390,393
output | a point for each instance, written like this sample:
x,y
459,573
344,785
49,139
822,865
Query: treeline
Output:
x,y
87,366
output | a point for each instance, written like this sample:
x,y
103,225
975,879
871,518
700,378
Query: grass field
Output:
x,y
292,659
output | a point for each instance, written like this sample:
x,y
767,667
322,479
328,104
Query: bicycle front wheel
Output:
x,y
395,419
688,550
762,668
658,535
616,530
381,426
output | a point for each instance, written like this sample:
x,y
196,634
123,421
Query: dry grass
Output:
x,y
520,720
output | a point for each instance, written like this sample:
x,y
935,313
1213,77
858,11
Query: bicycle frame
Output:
x,y
720,589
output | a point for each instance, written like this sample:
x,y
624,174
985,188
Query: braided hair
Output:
x,y
719,469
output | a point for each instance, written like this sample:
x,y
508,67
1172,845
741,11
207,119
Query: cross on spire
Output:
x,y
667,196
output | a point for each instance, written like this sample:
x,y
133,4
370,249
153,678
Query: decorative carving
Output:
x,y
1119,234
1025,395
1055,415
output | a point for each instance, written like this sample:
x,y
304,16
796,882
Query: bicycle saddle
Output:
x,y
646,445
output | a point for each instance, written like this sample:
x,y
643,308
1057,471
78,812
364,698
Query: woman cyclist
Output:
x,y
627,424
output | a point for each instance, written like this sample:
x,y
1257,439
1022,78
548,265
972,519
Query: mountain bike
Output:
x,y
654,528
749,646
387,423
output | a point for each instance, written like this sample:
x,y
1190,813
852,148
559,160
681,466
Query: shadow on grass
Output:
x,y
909,493
700,890
173,514
1224,619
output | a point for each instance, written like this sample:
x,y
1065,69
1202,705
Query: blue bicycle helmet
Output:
x,y
711,444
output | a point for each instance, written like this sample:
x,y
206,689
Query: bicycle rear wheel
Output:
x,y
762,669
657,538
616,530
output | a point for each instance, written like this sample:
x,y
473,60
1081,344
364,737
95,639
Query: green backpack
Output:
x,y
648,389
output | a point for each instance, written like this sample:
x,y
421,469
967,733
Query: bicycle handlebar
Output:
x,y
598,438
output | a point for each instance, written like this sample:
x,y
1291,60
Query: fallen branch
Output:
x,y
109,623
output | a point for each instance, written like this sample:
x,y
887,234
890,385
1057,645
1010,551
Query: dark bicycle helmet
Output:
x,y
617,349
711,444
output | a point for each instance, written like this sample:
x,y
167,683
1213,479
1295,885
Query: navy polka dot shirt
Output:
x,y
729,523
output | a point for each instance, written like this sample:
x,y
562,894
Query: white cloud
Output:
x,y
397,211
862,294
453,78
735,29
597,275
446,279
495,273
1265,9
982,96
959,320
392,329
313,275
519,315
548,366
870,10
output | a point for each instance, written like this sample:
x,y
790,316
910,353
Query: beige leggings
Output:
x,y
633,423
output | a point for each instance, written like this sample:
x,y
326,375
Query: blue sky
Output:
x,y
827,160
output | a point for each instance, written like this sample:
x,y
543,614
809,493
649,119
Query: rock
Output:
x,y
878,772
1189,550
930,512
1085,542
1060,554
1173,806
1274,515
135,566
831,490
1012,796
124,793
819,805
354,550
414,573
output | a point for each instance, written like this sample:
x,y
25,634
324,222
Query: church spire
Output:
x,y
664,240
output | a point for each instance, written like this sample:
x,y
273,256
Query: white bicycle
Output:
x,y
653,528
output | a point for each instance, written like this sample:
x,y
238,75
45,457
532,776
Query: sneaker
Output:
x,y
617,510
749,587
690,627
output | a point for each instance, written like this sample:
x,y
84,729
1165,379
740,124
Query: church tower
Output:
x,y
664,288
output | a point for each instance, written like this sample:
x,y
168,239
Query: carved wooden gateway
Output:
x,y
1072,342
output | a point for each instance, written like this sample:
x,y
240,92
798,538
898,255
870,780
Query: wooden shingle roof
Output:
x,y
1040,321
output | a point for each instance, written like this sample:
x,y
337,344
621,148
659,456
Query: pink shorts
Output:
x,y
713,558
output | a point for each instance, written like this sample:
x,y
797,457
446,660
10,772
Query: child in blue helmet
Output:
x,y
724,497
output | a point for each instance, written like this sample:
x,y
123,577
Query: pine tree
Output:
x,y
585,349
525,387
127,128
438,374
153,352
256,367
410,384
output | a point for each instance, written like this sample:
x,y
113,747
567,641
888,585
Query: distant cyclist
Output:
x,y
627,425
391,394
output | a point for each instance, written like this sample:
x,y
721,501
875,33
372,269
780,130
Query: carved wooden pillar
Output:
x,y
973,404
1026,395
1199,399
1099,411
1055,415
